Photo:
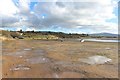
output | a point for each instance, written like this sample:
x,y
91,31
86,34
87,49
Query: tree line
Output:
x,y
58,34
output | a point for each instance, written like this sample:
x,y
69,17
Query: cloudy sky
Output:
x,y
70,16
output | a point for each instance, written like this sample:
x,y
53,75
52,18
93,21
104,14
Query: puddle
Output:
x,y
22,53
107,48
64,63
1,61
55,75
5,49
17,54
96,60
39,52
67,63
32,47
71,75
20,56
37,60
20,67
27,49
101,40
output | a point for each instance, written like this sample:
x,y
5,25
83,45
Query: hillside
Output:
x,y
47,35
104,34
10,35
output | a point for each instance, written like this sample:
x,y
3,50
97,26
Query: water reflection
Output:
x,y
19,67
100,40
36,60
96,60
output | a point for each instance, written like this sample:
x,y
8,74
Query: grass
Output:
x,y
27,36
40,37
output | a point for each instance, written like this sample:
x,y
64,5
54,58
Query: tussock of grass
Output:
x,y
40,37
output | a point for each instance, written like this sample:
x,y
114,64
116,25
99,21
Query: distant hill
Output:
x,y
10,35
39,34
48,35
104,34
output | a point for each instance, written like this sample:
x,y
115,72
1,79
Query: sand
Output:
x,y
55,59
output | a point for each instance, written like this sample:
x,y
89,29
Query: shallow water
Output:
x,y
37,60
66,63
27,49
17,54
96,60
19,67
99,40
56,75
39,52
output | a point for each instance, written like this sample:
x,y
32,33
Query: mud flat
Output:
x,y
55,59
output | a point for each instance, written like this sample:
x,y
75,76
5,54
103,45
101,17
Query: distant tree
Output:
x,y
87,34
32,31
20,31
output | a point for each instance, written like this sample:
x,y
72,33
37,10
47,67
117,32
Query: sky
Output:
x,y
69,16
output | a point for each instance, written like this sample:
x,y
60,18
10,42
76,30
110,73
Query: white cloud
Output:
x,y
95,14
8,8
90,14
24,6
30,29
